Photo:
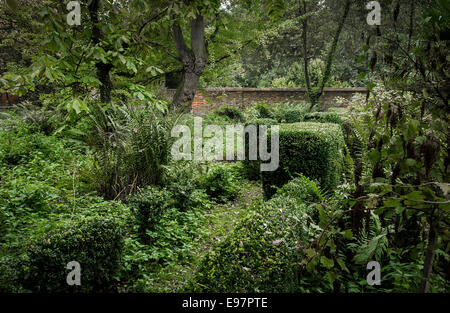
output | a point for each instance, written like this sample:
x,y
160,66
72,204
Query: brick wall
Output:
x,y
6,100
211,98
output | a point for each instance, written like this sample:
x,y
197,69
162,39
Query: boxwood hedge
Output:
x,y
312,149
261,254
252,167
96,244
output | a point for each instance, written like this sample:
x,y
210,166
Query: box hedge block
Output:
x,y
312,149
252,167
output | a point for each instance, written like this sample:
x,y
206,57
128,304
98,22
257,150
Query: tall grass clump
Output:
x,y
131,147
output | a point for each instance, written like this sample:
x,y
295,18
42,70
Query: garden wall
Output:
x,y
210,98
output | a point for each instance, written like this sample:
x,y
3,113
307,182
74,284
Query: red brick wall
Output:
x,y
210,98
7,99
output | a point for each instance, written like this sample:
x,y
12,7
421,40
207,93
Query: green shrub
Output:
x,y
312,149
261,255
17,147
301,188
263,110
219,183
252,167
231,112
323,117
131,146
148,205
290,113
95,243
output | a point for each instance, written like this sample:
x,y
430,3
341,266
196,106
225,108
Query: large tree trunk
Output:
x,y
194,62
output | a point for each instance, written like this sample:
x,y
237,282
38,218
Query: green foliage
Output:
x,y
148,205
263,110
231,112
262,253
131,147
323,117
145,267
252,168
219,183
96,244
301,188
312,149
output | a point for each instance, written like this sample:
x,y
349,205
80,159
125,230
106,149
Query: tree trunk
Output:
x,y
103,70
330,58
305,51
429,259
104,77
194,62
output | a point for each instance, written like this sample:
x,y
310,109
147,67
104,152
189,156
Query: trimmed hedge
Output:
x,y
323,117
252,167
312,149
94,243
262,254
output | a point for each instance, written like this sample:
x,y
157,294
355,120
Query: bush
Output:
x,y
219,183
263,111
323,117
252,167
301,188
312,149
148,205
288,113
131,147
18,147
230,112
261,255
95,243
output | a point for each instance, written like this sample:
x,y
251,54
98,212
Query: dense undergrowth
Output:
x,y
101,189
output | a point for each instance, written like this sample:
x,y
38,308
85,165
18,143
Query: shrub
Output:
x,y
230,112
312,149
263,111
148,205
290,113
131,147
95,243
252,167
323,117
219,183
301,188
261,255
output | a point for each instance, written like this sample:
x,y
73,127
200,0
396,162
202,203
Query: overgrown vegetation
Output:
x,y
87,173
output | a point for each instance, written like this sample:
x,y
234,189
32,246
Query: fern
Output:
x,y
371,245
